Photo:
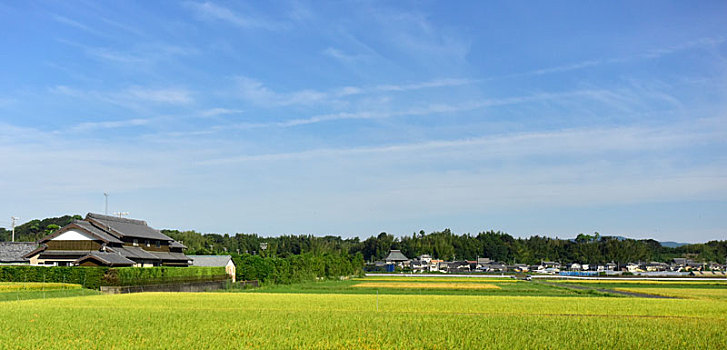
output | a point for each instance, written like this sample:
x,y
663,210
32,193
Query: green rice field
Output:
x,y
338,315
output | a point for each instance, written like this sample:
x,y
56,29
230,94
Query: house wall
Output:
x,y
73,245
231,270
129,242
73,235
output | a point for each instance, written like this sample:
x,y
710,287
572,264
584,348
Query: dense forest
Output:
x,y
443,245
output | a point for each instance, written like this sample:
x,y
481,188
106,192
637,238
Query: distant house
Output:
x,y
13,253
102,240
215,261
459,266
396,258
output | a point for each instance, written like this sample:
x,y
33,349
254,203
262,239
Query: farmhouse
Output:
x,y
102,240
215,261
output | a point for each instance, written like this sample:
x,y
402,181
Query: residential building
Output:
x,y
396,258
102,240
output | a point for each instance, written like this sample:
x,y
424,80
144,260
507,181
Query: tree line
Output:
x,y
446,245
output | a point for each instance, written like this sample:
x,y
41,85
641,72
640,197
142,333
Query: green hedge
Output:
x,y
134,276
88,277
297,268
94,277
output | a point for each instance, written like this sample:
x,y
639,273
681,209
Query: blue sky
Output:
x,y
352,118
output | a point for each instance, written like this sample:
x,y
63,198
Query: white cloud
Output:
x,y
257,92
169,95
208,10
89,126
213,112
72,23
562,142
131,96
651,54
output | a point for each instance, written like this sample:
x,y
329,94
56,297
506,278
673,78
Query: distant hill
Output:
x,y
670,244
37,229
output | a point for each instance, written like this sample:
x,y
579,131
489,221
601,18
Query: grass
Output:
x,y
506,288
686,293
341,321
38,290
375,313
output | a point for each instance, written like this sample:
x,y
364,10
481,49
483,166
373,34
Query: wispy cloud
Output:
x,y
343,56
218,111
257,92
561,142
651,54
72,23
131,95
210,11
626,100
90,126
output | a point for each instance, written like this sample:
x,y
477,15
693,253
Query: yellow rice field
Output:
x,y
356,321
425,285
35,286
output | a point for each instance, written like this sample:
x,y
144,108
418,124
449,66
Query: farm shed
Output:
x,y
215,261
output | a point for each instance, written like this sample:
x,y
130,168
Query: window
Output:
x,y
136,242
159,244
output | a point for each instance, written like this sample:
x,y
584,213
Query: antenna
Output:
x,y
121,213
106,194
13,218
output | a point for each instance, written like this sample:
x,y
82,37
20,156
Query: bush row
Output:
x,y
134,276
94,277
297,268
88,277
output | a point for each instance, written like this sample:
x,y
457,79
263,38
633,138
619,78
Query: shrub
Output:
x,y
88,277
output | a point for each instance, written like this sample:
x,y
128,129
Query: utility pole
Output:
x,y
105,194
13,218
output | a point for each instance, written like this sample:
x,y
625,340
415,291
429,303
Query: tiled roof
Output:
x,y
14,251
171,256
396,255
123,227
98,232
110,259
134,253
210,260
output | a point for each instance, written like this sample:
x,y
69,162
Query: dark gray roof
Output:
x,y
123,227
210,260
110,259
68,253
175,244
13,252
96,231
134,253
396,255
171,256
